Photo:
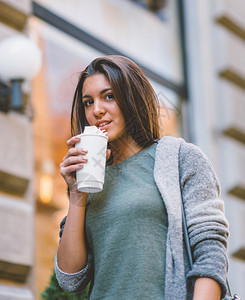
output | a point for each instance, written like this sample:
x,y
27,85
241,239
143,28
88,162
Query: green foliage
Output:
x,y
55,292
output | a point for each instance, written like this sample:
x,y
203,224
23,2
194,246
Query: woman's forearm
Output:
x,y
206,289
72,252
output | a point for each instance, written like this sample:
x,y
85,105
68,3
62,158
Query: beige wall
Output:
x,y
216,62
17,206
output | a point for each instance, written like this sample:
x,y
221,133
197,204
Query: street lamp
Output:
x,y
20,60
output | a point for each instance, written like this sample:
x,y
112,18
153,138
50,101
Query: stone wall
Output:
x,y
16,181
215,33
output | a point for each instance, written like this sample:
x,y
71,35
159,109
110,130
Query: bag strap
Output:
x,y
186,236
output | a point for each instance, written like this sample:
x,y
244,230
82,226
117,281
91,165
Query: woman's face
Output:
x,y
101,108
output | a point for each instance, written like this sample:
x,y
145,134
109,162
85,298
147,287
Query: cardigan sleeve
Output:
x,y
207,225
73,282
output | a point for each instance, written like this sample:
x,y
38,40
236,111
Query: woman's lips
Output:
x,y
104,125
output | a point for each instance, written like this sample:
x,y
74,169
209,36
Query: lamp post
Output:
x,y
20,60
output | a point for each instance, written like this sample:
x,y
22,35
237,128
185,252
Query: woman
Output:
x,y
127,240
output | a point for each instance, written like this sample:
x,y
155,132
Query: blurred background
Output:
x,y
193,53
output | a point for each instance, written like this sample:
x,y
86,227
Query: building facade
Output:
x,y
17,205
215,48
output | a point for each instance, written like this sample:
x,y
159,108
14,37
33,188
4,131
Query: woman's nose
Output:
x,y
98,108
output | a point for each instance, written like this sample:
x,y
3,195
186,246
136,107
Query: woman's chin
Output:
x,y
108,135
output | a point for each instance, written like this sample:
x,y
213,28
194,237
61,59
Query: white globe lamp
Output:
x,y
20,59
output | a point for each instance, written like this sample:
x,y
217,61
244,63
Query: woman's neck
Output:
x,y
123,148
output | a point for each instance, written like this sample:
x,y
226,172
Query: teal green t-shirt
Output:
x,y
126,229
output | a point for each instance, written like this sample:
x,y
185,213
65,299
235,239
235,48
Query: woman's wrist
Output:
x,y
78,199
206,289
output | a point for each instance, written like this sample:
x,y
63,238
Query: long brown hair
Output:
x,y
133,94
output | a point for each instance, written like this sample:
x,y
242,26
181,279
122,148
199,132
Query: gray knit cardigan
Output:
x,y
182,170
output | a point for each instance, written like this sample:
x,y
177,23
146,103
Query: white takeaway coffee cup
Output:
x,y
90,179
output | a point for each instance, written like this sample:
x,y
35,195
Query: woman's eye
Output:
x,y
88,102
110,96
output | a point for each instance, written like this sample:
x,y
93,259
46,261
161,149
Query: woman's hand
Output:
x,y
73,161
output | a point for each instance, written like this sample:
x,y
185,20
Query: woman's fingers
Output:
x,y
74,159
74,152
108,153
67,171
72,141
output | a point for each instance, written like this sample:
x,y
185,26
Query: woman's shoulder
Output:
x,y
190,161
186,155
168,146
186,150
